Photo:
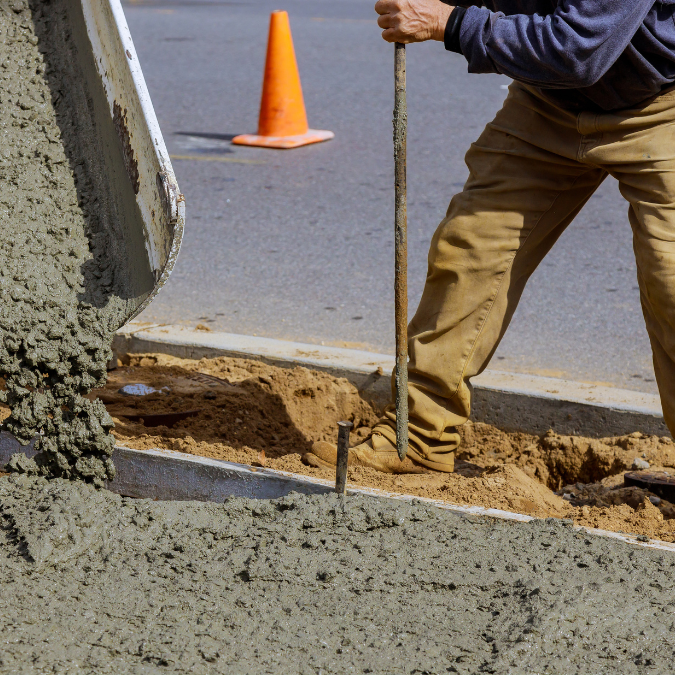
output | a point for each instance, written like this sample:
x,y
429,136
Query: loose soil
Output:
x,y
254,413
60,295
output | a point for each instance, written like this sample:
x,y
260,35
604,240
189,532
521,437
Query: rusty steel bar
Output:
x,y
342,457
401,252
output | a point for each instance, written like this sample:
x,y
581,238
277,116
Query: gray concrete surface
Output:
x,y
298,244
316,584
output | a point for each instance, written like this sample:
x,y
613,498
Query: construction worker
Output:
x,y
592,95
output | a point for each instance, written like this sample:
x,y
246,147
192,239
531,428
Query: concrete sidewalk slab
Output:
x,y
511,401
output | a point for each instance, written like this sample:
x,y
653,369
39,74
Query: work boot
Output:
x,y
375,452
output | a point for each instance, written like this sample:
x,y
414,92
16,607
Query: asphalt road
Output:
x,y
299,244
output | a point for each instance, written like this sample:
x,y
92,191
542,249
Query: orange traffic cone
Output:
x,y
283,121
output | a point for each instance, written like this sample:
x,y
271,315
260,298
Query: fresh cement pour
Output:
x,y
59,304
96,583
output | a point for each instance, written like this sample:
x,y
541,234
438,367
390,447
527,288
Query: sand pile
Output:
x,y
243,403
59,293
557,460
253,413
306,585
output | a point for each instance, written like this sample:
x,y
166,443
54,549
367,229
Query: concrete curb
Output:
x,y
510,401
176,476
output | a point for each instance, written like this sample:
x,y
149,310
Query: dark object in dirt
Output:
x,y
210,380
658,482
163,419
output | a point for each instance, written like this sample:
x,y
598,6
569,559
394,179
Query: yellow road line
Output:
x,y
203,158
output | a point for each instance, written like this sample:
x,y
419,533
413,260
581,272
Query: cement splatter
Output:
x,y
309,585
59,304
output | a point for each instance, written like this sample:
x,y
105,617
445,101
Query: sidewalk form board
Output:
x,y
510,401
176,476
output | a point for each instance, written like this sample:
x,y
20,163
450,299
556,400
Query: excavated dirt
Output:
x,y
60,299
254,413
96,583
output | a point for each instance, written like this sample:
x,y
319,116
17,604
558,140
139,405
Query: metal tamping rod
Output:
x,y
401,251
342,457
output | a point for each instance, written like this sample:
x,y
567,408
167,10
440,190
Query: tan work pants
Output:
x,y
531,171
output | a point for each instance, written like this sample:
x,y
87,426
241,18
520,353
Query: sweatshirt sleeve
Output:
x,y
572,47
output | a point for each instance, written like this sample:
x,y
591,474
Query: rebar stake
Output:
x,y
342,457
401,251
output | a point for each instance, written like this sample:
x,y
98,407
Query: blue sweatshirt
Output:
x,y
585,54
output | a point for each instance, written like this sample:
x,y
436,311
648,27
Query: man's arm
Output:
x,y
572,47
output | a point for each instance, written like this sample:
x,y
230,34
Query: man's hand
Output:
x,y
412,20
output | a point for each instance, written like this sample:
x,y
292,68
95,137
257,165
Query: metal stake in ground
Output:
x,y
401,252
342,457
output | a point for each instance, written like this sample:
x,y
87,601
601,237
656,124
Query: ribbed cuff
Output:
x,y
452,28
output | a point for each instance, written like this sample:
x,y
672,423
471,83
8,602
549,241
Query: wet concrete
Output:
x,y
92,582
61,297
